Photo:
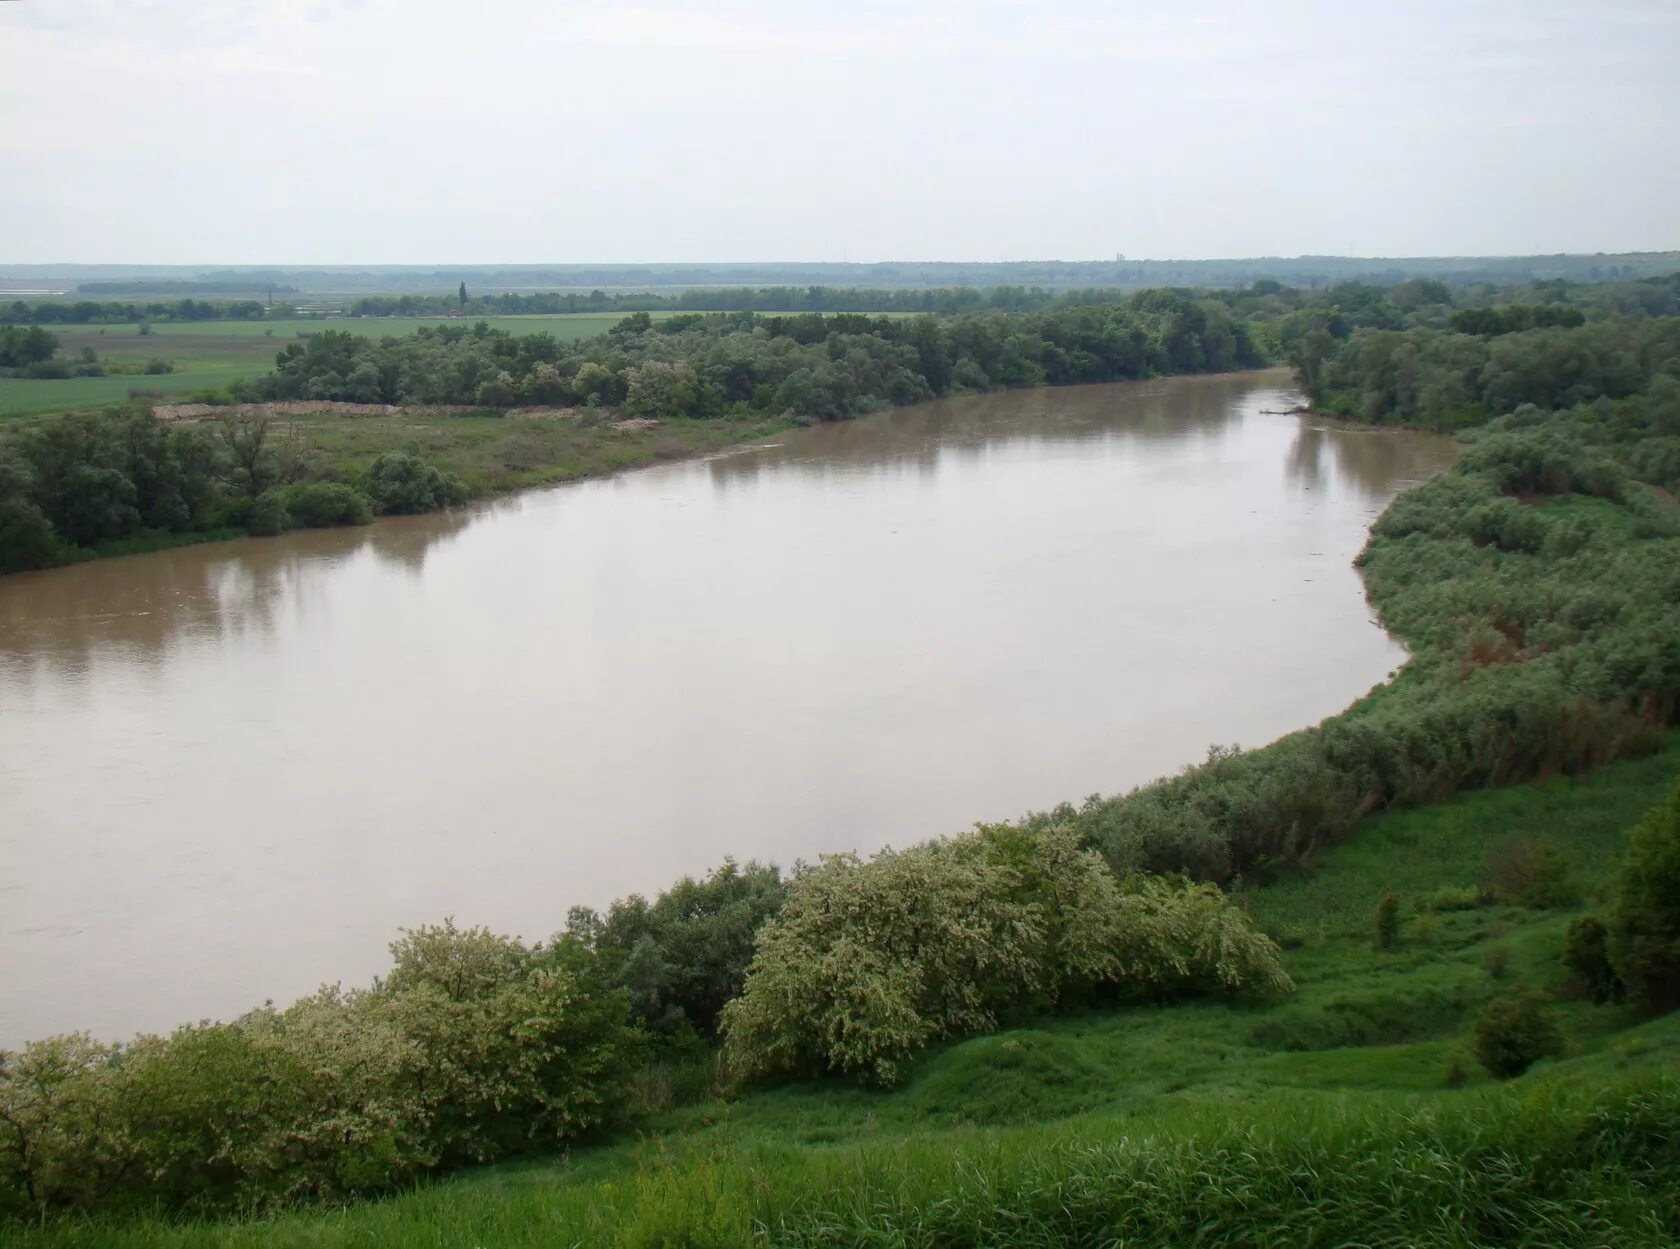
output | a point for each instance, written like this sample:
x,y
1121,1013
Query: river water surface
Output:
x,y
231,772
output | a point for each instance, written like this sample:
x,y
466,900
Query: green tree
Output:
x,y
1645,918
1513,1033
1386,921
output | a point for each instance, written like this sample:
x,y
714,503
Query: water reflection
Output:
x,y
143,606
966,428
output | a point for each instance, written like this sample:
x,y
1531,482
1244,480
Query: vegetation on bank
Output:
x,y
1361,1091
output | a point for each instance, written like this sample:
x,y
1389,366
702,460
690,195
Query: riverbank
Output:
x,y
481,454
1355,1111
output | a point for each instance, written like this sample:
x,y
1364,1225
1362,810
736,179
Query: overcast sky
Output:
x,y
414,131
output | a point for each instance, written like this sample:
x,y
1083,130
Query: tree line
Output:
x,y
120,311
84,484
803,367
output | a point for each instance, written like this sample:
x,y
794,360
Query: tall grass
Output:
x,y
1535,1163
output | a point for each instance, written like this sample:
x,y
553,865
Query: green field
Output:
x,y
1352,1112
210,354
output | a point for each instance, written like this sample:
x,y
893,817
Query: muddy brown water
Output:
x,y
232,772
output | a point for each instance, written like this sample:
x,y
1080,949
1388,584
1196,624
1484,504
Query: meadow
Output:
x,y
207,355
1352,1112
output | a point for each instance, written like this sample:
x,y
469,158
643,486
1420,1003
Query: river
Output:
x,y
231,772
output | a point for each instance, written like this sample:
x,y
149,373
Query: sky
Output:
x,y
546,131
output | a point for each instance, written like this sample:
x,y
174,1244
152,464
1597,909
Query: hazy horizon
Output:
x,y
307,133
702,262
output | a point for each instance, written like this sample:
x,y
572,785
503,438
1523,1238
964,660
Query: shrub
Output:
x,y
867,963
474,1047
521,1048
157,367
401,482
1496,961
1586,957
682,956
1454,898
1386,921
1530,872
1513,1034
268,515
1645,917
321,504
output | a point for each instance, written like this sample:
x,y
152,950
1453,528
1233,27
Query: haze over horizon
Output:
x,y
368,132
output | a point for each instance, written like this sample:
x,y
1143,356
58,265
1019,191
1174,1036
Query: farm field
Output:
x,y
210,354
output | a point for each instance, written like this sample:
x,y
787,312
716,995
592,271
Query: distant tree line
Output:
x,y
231,285
120,311
1317,272
1396,304
803,367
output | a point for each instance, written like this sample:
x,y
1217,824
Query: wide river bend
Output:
x,y
231,772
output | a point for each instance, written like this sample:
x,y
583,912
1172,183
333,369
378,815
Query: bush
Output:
x,y
1645,918
401,482
1455,898
867,963
1530,872
1386,921
684,955
474,1047
1513,1034
322,504
1586,957
157,367
268,515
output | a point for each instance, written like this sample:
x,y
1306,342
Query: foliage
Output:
x,y
1513,1034
869,962
401,482
1532,872
473,1048
810,365
321,504
1645,917
79,482
1386,920
268,515
1586,957
1455,898
685,954
21,346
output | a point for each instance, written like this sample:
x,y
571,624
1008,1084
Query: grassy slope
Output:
x,y
212,354
1323,1119
493,453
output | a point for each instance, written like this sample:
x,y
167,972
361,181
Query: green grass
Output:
x,y
496,453
1351,1113
209,355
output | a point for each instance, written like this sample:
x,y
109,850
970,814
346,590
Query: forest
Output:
x,y
1537,586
